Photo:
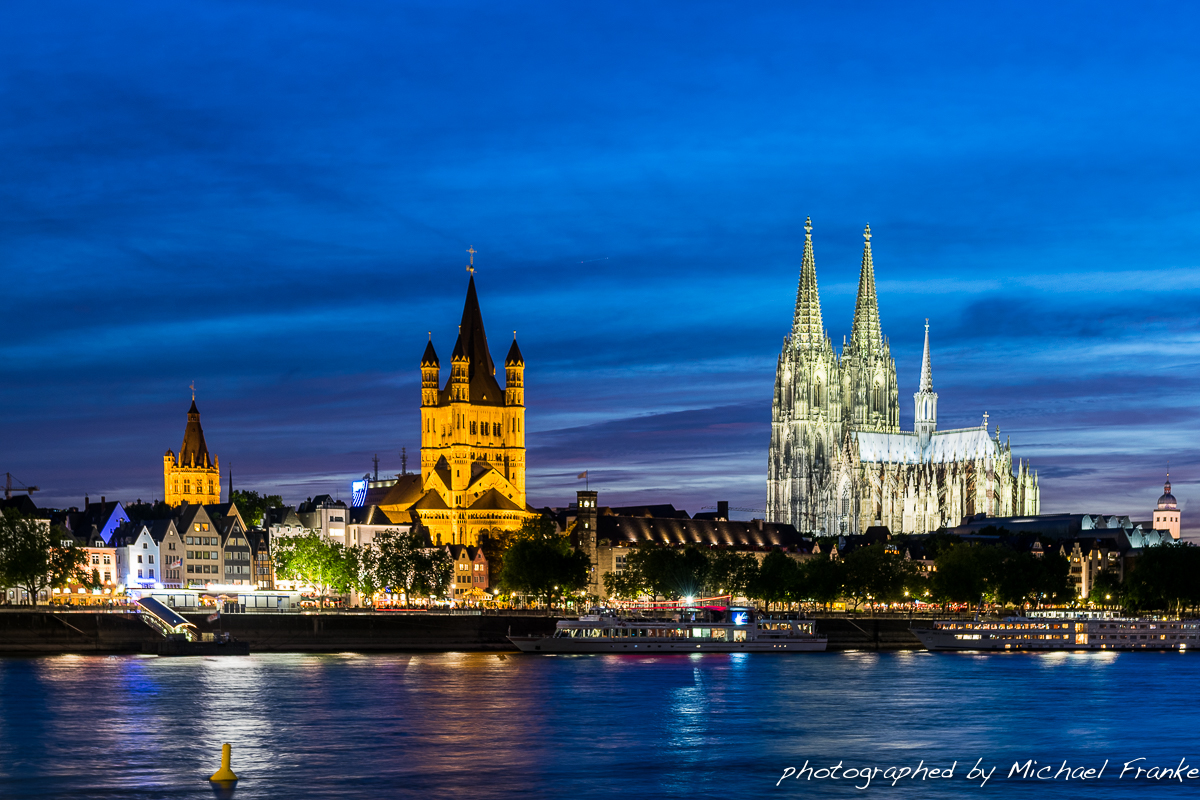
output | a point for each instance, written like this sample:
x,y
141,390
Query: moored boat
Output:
x,y
1051,633
687,630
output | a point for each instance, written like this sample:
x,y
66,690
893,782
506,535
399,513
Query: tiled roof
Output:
x,y
753,534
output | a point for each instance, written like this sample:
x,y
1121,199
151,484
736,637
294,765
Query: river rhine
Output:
x,y
486,726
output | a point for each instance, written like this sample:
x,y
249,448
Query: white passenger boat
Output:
x,y
689,630
1045,633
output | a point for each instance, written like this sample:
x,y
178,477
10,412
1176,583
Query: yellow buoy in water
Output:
x,y
224,773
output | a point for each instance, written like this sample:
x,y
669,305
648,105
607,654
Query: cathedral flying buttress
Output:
x,y
839,462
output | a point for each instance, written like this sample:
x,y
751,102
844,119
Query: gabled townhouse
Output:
x,y
170,550
137,563
202,562
470,576
99,566
235,552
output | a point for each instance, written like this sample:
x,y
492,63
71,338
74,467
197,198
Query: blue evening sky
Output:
x,y
274,200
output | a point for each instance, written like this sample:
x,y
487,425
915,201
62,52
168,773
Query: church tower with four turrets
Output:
x,y
472,438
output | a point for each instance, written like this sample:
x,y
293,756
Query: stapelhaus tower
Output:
x,y
472,437
194,476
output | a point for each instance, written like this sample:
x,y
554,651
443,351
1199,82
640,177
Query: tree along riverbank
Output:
x,y
49,633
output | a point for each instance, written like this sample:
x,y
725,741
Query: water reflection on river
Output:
x,y
475,725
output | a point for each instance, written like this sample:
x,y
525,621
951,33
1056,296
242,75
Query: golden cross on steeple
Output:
x,y
471,266
985,419
192,385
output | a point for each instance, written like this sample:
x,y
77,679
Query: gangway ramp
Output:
x,y
165,620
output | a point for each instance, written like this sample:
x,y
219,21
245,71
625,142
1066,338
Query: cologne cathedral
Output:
x,y
839,462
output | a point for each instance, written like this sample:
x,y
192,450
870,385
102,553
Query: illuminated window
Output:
x,y
187,486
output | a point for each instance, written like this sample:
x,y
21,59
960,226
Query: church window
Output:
x,y
473,428
187,487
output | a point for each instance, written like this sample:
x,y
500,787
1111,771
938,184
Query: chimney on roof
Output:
x,y
86,500
723,510
102,501
760,523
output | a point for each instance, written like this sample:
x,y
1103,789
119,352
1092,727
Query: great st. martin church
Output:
x,y
839,461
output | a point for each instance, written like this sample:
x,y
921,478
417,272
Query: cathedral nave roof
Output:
x,y
944,447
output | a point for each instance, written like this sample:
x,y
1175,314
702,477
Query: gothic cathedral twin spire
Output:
x,y
819,395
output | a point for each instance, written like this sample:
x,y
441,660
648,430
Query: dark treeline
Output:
x,y
873,574
1163,578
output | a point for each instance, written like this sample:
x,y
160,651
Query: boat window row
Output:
x,y
714,634
1006,626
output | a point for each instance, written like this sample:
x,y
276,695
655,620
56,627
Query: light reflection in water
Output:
x,y
454,725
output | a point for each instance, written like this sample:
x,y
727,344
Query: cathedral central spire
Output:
x,y
807,328
866,336
925,400
926,369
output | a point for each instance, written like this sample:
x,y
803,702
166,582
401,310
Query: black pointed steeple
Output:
x,y
472,345
514,357
194,452
430,359
474,340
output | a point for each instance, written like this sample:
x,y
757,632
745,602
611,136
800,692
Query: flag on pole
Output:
x,y
214,617
581,475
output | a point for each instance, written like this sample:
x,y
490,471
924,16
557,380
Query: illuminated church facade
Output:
x,y
193,476
839,462
472,479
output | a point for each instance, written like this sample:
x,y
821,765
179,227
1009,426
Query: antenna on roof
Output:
x,y
403,460
376,460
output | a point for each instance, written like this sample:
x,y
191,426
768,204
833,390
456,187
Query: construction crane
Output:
x,y
8,486
736,508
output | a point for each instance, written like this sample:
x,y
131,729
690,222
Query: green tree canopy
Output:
x,y
313,560
539,562
968,573
730,572
253,506
779,579
823,579
35,556
875,572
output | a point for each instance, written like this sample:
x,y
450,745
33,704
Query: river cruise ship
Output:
x,y
689,630
1045,633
